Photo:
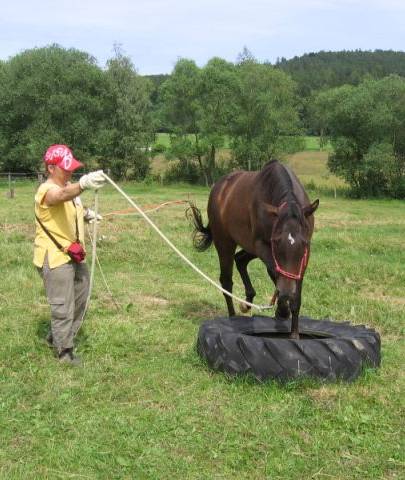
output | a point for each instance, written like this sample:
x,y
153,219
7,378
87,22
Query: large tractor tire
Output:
x,y
260,346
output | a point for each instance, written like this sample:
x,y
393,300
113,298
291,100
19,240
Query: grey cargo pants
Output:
x,y
66,288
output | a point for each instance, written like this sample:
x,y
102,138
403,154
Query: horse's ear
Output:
x,y
271,209
310,209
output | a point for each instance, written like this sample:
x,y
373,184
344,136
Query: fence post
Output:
x,y
10,188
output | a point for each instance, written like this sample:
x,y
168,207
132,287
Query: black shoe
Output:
x,y
67,356
49,340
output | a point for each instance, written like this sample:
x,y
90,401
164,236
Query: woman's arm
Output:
x,y
92,180
62,194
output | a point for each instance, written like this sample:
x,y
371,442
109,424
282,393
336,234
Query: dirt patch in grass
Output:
x,y
325,395
323,222
198,311
151,300
154,405
27,228
382,297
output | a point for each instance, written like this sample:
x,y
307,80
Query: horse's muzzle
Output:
x,y
286,287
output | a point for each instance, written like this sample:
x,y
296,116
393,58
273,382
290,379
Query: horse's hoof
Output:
x,y
282,315
243,307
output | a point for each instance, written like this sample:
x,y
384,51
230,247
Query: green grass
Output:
x,y
310,165
144,406
311,168
313,144
164,139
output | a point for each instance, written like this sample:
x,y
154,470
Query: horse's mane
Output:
x,y
283,188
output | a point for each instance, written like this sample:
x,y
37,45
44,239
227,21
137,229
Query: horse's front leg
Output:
x,y
295,306
263,252
282,310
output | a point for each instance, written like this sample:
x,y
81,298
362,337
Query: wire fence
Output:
x,y
21,175
9,181
18,176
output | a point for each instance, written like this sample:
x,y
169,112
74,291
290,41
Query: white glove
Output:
x,y
93,180
90,216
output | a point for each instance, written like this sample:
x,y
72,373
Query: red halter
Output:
x,y
304,259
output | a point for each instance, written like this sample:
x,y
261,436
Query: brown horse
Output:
x,y
269,215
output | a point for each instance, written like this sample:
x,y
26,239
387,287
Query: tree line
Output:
x,y
56,95
321,70
110,116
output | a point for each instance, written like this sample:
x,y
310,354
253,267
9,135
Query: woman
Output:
x,y
59,246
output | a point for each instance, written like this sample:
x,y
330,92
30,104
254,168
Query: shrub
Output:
x,y
158,148
183,172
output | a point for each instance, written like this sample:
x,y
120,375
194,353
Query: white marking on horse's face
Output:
x,y
291,239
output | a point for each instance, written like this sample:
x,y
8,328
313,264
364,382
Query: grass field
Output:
x,y
144,406
311,168
310,165
311,143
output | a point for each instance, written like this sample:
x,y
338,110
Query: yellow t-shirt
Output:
x,y
59,220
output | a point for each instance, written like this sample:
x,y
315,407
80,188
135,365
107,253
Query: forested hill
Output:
x,y
313,71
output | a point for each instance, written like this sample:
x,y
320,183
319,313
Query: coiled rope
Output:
x,y
102,274
93,240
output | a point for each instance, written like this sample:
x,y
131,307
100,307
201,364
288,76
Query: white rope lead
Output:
x,y
173,247
102,273
93,260
93,254
94,245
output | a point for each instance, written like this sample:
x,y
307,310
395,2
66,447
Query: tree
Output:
x,y
218,83
180,107
197,106
252,104
180,112
48,95
126,132
266,113
366,126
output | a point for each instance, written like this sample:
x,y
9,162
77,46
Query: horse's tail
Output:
x,y
202,237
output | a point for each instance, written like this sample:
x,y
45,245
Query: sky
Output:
x,y
156,33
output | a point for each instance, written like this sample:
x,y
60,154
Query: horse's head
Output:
x,y
290,237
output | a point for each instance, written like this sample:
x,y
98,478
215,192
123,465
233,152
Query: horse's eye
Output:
x,y
277,238
304,240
